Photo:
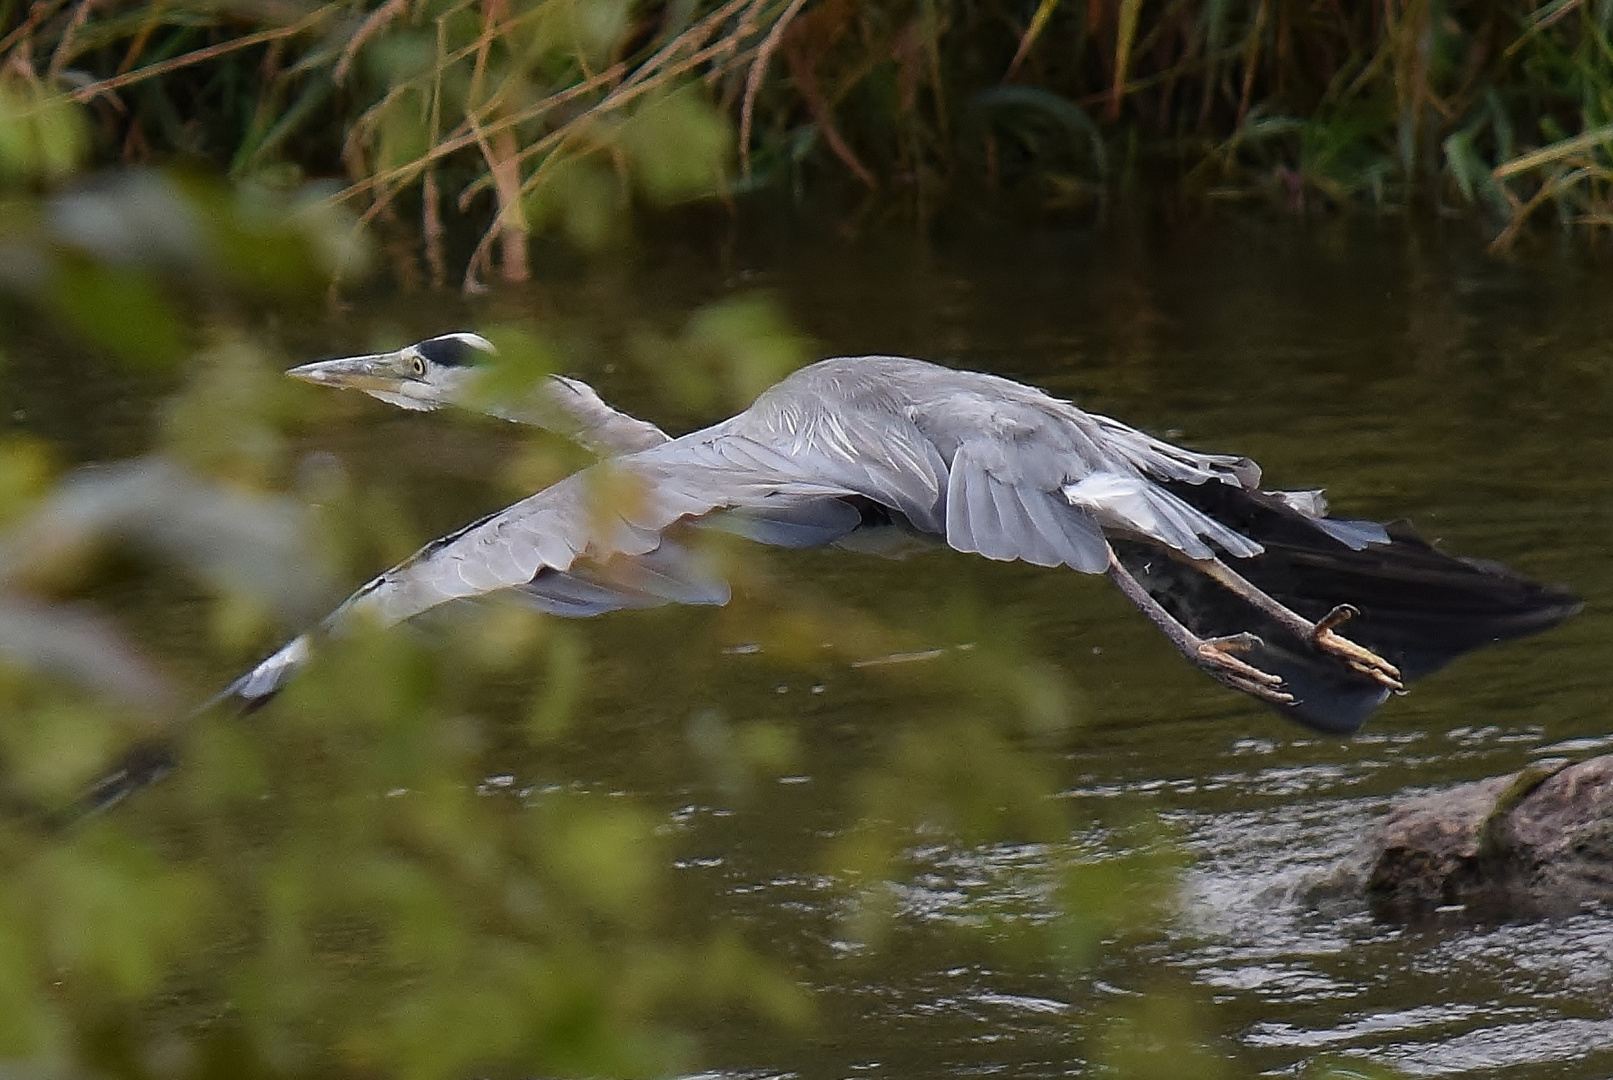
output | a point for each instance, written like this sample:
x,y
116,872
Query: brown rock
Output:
x,y
1536,842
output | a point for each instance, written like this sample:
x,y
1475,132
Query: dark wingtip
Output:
x,y
148,762
141,766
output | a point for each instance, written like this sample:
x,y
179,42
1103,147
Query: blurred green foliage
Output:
x,y
338,875
42,136
353,883
729,353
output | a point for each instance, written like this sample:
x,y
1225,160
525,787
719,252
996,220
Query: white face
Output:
x,y
425,375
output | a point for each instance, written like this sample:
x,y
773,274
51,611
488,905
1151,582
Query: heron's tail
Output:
x,y
1420,608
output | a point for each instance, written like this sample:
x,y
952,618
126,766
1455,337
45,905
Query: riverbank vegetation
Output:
x,y
505,118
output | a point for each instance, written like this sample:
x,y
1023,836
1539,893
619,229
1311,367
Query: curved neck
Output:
x,y
572,408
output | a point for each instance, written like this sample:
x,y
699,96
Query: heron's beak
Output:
x,y
377,375
376,372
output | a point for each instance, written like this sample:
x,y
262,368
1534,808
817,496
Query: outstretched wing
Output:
x,y
617,509
592,542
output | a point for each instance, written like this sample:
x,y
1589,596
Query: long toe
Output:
x,y
1215,657
1359,658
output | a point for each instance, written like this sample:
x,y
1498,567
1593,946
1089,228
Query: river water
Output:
x,y
1408,373
1412,376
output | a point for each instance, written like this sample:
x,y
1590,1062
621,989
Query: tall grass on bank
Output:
x,y
525,115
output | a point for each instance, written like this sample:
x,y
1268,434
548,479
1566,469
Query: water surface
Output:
x,y
1410,375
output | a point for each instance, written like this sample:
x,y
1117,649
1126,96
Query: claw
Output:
x,y
1337,618
1364,662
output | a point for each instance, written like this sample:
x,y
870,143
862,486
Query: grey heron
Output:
x,y
850,450
873,453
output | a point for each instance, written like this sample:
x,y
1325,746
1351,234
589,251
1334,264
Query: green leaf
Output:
x,y
43,135
678,146
583,198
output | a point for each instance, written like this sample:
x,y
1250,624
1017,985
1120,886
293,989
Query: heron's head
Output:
x,y
426,375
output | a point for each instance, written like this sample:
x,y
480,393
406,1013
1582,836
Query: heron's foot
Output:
x,y
1362,661
1216,656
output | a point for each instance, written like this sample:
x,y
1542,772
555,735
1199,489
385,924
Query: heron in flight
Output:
x,y
875,453
862,451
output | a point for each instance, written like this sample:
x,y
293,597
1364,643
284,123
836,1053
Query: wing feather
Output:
x,y
1164,461
1017,532
618,508
668,575
811,523
876,452
1002,520
572,597
1074,537
1135,504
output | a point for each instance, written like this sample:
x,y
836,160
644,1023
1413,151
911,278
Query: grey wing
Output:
x,y
591,543
1008,500
1181,525
879,454
616,510
260,684
1135,504
1127,497
792,525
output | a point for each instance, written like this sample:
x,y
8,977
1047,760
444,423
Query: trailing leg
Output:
x,y
1215,656
1320,634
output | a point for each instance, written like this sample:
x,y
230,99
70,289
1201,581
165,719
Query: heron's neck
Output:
x,y
572,408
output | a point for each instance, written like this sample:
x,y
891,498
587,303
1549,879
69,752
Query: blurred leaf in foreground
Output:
x,y
234,542
731,351
43,136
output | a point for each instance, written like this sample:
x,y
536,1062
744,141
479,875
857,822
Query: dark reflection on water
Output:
x,y
1409,375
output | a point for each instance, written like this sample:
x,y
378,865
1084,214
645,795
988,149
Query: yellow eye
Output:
x,y
419,366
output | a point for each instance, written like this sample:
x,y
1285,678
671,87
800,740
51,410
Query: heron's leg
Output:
x,y
1213,655
1320,633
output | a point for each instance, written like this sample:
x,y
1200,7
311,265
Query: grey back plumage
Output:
x,y
994,466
